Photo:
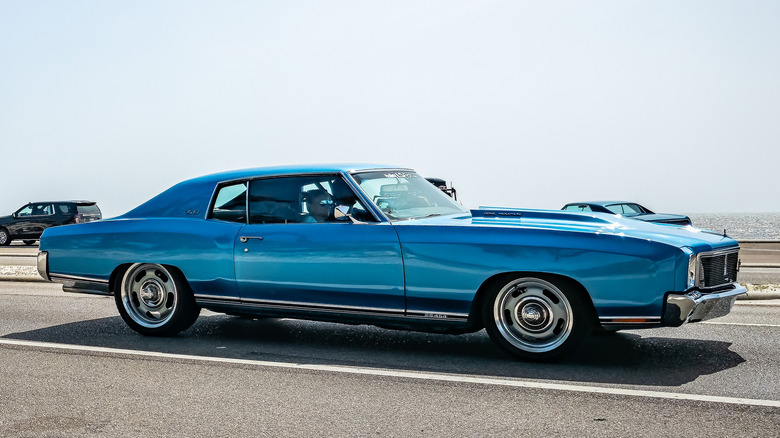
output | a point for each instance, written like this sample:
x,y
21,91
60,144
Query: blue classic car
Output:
x,y
628,209
362,244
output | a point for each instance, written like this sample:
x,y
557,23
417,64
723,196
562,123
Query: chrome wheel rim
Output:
x,y
3,237
149,295
533,315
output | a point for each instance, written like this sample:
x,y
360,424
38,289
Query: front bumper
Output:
x,y
696,306
42,264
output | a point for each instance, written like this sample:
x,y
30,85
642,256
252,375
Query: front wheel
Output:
x,y
155,300
535,319
5,238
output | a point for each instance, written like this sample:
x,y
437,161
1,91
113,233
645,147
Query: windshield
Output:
x,y
406,195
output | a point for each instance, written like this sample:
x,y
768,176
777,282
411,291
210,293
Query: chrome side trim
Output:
x,y
59,278
205,300
446,316
81,285
647,319
221,298
319,306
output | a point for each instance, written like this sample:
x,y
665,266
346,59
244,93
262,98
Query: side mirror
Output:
x,y
341,213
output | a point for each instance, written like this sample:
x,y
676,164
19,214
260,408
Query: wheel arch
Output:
x,y
475,315
8,233
115,280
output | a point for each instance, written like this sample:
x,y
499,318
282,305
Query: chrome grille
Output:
x,y
718,269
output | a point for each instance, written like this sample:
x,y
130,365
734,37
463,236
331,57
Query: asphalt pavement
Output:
x,y
69,366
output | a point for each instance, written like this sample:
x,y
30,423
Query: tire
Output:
x,y
5,238
28,242
155,301
535,319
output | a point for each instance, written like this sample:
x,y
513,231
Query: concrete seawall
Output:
x,y
753,254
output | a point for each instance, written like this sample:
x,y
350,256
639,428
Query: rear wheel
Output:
x,y
28,242
535,319
155,300
5,238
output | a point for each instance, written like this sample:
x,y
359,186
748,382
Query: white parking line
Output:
x,y
747,324
435,377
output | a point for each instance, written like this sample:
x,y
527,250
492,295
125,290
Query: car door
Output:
x,y
31,220
19,225
43,217
284,257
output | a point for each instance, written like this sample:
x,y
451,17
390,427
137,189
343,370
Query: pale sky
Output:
x,y
672,104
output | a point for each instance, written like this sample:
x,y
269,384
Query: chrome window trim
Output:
x,y
345,176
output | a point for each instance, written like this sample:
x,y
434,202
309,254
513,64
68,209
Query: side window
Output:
x,y
578,208
309,199
615,208
632,209
276,200
230,203
65,208
26,211
41,209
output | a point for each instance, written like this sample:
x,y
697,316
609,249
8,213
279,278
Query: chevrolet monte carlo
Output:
x,y
362,244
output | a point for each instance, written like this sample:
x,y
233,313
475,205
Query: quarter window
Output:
x,y
230,203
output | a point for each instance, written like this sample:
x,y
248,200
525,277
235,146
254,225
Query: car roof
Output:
x,y
293,170
194,194
602,203
63,202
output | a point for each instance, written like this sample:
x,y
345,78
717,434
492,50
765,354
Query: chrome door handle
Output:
x,y
245,239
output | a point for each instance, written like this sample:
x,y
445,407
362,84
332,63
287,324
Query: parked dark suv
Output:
x,y
28,222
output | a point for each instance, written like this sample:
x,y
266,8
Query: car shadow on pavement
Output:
x,y
616,358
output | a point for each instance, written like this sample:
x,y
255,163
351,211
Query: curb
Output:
x,y
761,292
22,278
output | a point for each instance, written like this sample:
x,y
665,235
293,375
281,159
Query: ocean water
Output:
x,y
741,226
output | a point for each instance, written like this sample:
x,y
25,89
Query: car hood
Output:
x,y
596,223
